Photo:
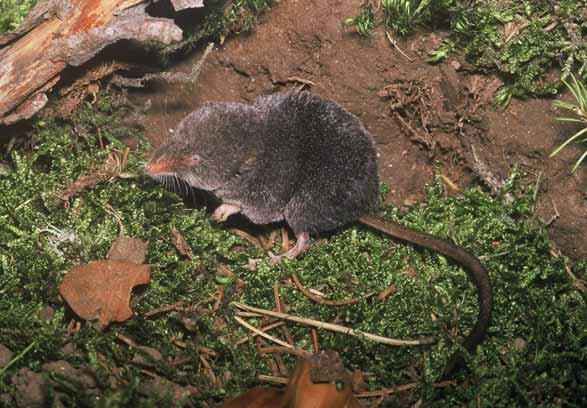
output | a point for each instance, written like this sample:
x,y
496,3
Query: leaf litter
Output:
x,y
101,290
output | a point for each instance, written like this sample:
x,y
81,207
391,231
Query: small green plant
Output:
x,y
403,15
364,21
579,91
441,52
12,12
520,40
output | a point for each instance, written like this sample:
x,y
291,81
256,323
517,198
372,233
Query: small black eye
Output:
x,y
194,159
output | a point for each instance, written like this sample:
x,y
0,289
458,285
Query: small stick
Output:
x,y
284,240
247,236
248,314
555,217
18,357
300,80
272,378
206,350
266,328
273,366
162,309
180,361
261,333
450,183
179,343
262,241
271,239
279,306
334,327
223,269
315,344
126,340
208,369
400,388
327,302
276,296
394,43
218,299
386,292
275,349
280,365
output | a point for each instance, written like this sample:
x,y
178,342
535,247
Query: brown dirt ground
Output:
x,y
446,109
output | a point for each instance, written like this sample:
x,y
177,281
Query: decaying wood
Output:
x,y
58,33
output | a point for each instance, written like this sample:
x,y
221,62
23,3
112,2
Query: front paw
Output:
x,y
224,211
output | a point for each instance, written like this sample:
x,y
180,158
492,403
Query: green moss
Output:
x,y
520,40
12,12
535,353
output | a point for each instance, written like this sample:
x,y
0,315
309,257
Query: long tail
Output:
x,y
477,273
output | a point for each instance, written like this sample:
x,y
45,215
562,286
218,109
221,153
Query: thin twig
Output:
x,y
400,388
394,43
162,309
327,302
335,328
264,329
450,183
261,333
295,351
272,378
247,236
284,240
218,299
18,357
315,343
386,292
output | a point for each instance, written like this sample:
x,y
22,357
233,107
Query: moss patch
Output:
x,y
523,41
535,354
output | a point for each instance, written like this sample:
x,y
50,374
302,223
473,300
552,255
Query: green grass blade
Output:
x,y
579,161
574,120
569,140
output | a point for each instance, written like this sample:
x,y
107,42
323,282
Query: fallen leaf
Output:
x,y
128,249
258,397
301,391
101,289
181,244
107,170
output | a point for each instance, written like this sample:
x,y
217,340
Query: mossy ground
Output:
x,y
526,42
536,353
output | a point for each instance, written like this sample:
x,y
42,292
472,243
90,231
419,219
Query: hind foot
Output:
x,y
302,244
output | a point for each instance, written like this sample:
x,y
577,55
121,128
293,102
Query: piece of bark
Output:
x,y
186,4
67,32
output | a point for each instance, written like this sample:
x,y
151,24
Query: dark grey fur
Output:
x,y
292,156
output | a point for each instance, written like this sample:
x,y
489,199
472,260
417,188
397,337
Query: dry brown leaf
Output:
x,y
109,169
181,244
101,289
128,249
258,397
301,392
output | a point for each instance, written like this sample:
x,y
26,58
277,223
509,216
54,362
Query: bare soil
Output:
x,y
419,114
